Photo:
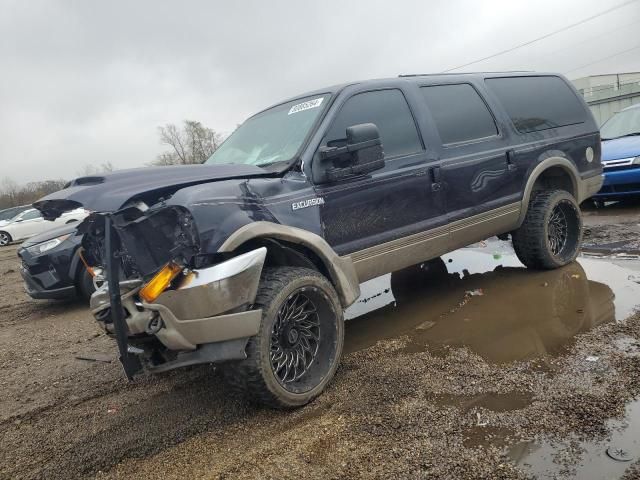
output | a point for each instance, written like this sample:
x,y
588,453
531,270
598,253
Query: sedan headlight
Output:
x,y
40,248
636,161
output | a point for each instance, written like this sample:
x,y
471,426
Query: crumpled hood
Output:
x,y
625,147
110,192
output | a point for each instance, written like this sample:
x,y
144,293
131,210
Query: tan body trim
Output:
x,y
343,274
420,247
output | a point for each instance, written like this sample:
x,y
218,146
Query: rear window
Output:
x,y
459,112
537,103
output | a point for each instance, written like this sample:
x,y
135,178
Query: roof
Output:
x,y
413,78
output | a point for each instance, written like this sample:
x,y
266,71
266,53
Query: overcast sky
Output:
x,y
85,82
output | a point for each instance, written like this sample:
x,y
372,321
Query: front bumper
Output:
x,y
50,275
620,182
34,287
210,306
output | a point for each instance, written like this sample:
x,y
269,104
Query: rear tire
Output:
x,y
551,233
5,239
297,350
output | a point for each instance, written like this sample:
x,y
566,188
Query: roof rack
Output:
x,y
458,73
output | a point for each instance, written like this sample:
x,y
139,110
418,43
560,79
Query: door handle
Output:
x,y
436,178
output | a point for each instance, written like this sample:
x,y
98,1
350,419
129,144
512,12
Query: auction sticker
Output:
x,y
306,105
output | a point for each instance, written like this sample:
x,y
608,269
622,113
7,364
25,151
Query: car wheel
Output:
x,y
551,233
5,239
85,284
298,348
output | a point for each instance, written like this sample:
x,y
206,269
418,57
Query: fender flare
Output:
x,y
567,166
341,270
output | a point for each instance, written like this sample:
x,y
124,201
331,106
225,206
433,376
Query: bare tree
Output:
x,y
9,190
191,144
89,169
12,194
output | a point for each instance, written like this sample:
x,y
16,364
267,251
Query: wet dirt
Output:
x,y
613,229
475,368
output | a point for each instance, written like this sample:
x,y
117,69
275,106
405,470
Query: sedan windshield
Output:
x,y
274,135
10,213
622,124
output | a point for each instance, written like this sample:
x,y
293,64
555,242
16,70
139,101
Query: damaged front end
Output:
x,y
167,303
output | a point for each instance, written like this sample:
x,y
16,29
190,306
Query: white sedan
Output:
x,y
30,223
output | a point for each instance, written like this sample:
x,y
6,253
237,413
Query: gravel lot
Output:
x,y
493,371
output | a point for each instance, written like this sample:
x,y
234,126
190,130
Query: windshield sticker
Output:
x,y
306,105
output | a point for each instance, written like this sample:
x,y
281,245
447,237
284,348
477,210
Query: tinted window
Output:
x,y
537,103
388,109
459,112
31,215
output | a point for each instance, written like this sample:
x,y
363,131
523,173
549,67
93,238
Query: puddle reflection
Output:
x,y
491,304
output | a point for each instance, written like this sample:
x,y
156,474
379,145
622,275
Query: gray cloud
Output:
x,y
87,82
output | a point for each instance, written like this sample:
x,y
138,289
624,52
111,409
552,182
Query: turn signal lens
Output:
x,y
160,282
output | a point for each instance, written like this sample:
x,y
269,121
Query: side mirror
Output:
x,y
363,153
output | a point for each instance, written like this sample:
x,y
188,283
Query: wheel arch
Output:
x,y
552,173
297,247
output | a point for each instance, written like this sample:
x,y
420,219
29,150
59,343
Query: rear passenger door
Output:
x,y
477,170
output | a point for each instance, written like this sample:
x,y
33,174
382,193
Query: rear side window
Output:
x,y
459,112
537,103
388,109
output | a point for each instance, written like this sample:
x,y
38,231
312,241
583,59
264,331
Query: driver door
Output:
x,y
368,216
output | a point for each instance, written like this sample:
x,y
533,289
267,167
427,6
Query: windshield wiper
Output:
x,y
632,134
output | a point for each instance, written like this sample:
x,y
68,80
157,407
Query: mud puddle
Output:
x,y
609,458
484,299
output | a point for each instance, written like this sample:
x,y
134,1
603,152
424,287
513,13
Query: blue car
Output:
x,y
621,155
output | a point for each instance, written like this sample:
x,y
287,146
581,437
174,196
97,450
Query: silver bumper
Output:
x,y
210,305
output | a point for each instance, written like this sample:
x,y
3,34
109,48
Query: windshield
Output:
x,y
623,123
274,135
9,213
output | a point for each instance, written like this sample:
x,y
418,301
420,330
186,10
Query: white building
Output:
x,y
609,93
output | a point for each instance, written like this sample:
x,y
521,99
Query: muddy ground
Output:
x,y
485,371
614,229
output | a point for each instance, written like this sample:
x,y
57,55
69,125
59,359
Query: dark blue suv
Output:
x,y
250,259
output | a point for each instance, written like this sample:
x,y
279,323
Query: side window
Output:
x,y
31,215
459,112
389,110
537,103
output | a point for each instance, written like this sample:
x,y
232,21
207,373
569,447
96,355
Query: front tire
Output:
x,y
85,284
5,239
297,350
551,233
